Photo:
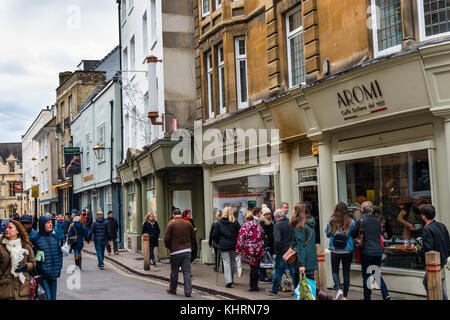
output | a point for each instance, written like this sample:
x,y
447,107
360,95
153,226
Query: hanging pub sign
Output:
x,y
72,161
35,191
315,149
18,187
361,100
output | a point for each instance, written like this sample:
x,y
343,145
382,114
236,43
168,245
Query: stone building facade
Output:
x,y
10,173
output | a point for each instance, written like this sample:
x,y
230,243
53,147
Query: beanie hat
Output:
x,y
266,210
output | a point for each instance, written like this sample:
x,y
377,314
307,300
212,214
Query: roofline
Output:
x,y
77,71
49,110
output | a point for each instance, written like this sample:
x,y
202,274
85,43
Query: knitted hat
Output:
x,y
266,210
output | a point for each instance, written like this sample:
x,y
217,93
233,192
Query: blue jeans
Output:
x,y
366,262
280,266
50,287
100,249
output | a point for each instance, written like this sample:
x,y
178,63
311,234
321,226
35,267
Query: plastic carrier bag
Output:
x,y
268,262
306,289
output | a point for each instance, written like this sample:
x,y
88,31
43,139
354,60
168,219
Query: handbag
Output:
x,y
291,255
358,242
72,239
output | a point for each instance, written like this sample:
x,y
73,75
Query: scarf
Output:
x,y
16,254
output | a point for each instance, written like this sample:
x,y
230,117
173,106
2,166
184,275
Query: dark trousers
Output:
x,y
182,260
366,262
50,286
152,251
217,261
346,263
254,274
115,246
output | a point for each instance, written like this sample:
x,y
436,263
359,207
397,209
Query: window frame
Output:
x,y
87,153
210,84
374,17
239,58
222,87
289,36
218,5
205,14
46,145
70,108
102,142
421,20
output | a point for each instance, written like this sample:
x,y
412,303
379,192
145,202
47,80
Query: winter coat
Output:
x,y
32,233
89,220
47,242
114,227
226,233
81,232
268,233
306,249
60,228
11,287
330,234
436,237
250,243
211,242
100,230
372,233
179,235
152,231
283,236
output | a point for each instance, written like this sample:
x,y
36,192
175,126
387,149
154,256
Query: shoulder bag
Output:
x,y
358,242
290,257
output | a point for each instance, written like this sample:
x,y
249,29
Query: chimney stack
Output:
x,y
63,76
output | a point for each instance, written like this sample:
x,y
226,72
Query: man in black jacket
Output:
x,y
102,234
435,237
283,237
114,227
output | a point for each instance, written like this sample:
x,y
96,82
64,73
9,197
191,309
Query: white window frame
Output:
x,y
375,20
205,14
132,53
153,22
45,144
209,74
87,152
46,180
62,115
42,148
145,33
421,14
101,139
289,35
218,5
70,108
239,58
221,69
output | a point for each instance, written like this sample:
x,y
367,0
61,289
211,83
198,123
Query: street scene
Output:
x,y
223,150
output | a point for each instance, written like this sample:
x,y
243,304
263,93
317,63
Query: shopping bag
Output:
x,y
268,262
306,289
65,249
37,289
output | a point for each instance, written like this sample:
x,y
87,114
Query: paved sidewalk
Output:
x,y
205,278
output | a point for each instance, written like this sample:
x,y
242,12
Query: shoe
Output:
x,y
101,267
187,295
270,292
171,292
265,280
154,262
179,270
116,253
253,289
387,298
339,295
228,285
239,272
344,298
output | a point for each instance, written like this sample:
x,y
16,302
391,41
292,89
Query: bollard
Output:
x,y
434,277
146,251
322,270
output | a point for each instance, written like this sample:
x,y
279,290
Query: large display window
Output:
x,y
396,184
244,193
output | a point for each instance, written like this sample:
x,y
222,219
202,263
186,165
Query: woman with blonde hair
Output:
x,y
267,224
250,247
151,228
225,234
16,261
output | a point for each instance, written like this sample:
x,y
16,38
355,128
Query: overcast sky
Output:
x,y
39,39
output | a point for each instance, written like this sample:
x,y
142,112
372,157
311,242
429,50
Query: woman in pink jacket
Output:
x,y
250,247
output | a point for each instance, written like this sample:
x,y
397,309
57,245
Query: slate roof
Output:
x,y
6,149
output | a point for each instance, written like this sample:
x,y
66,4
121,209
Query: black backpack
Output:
x,y
340,240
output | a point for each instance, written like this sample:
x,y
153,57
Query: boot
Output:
x,y
79,262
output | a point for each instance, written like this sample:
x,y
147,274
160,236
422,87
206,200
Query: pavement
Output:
x,y
207,280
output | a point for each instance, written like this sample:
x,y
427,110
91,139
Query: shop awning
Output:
x,y
63,185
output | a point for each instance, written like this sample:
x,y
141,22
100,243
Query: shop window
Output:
x,y
396,184
434,18
244,193
294,35
386,26
241,72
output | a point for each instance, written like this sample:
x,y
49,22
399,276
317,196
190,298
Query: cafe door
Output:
x,y
308,193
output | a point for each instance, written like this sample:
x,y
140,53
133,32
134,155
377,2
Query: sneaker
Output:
x,y
387,298
253,289
101,267
344,298
171,292
187,295
154,262
228,285
116,253
265,280
339,295
270,292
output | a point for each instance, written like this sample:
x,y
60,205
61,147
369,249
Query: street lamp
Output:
x,y
99,149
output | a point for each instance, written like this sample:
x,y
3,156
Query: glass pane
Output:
x,y
222,93
221,54
297,68
396,184
242,47
390,24
243,78
437,16
295,21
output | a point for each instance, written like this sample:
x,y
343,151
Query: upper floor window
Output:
x,y
218,4
205,8
101,138
12,191
70,108
386,26
241,72
132,54
11,167
153,20
296,62
144,34
62,115
87,163
209,71
124,11
221,64
434,18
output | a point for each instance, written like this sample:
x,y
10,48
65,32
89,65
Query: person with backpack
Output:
x,y
435,237
339,229
369,228
77,233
